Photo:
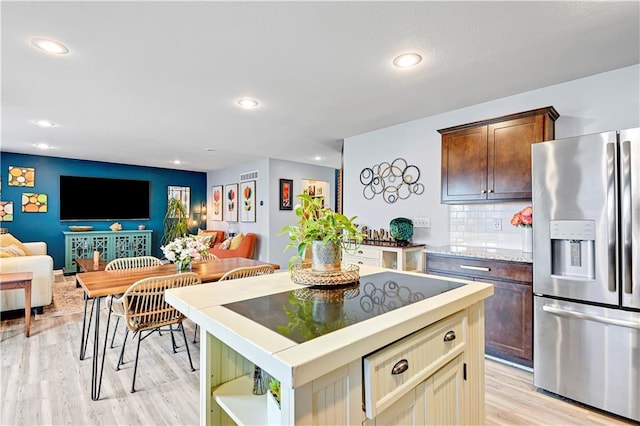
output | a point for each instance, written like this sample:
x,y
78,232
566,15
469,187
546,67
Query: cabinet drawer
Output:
x,y
360,260
368,252
480,268
414,358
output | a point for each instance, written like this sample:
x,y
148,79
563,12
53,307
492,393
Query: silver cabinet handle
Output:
x,y
400,367
597,318
451,335
360,252
484,191
491,191
475,268
360,262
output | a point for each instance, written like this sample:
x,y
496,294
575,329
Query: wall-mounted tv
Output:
x,y
95,198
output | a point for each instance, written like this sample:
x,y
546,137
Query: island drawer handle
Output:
x,y
451,335
475,268
400,367
360,252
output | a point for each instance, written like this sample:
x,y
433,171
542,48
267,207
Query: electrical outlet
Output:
x,y
421,222
496,224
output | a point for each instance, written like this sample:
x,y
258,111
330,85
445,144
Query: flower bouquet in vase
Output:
x,y
183,251
524,219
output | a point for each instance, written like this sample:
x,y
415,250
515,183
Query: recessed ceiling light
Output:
x,y
317,158
177,162
43,146
248,103
50,46
407,60
44,123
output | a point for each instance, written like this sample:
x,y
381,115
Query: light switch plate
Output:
x,y
421,222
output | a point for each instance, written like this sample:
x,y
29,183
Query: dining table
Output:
x,y
99,284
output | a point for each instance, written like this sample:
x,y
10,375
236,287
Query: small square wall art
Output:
x,y
34,203
6,211
22,176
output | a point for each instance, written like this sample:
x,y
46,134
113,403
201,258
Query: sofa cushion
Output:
x,y
236,241
217,236
7,240
204,239
11,251
225,244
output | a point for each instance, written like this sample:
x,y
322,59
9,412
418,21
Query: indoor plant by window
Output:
x,y
325,231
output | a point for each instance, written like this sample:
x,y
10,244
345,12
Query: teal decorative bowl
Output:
x,y
401,229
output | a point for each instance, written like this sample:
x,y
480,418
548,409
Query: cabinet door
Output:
x,y
408,410
444,395
509,157
508,321
464,165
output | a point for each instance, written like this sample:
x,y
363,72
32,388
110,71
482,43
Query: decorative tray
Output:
x,y
332,294
303,274
81,228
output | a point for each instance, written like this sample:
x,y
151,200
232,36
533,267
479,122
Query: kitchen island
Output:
x,y
386,350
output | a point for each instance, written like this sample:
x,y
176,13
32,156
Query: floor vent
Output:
x,y
249,176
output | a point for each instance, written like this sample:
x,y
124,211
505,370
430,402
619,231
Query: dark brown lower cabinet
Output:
x,y
509,312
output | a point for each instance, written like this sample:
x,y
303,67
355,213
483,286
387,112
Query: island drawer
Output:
x,y
396,369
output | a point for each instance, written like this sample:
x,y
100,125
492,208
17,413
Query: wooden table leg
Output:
x,y
16,281
27,307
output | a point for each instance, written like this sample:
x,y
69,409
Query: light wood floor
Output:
x,y
43,382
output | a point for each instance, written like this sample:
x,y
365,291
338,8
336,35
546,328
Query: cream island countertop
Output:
x,y
299,365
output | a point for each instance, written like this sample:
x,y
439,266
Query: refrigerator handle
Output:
x,y
612,216
591,317
625,217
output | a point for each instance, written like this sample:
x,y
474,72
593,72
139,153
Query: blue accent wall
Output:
x,y
47,226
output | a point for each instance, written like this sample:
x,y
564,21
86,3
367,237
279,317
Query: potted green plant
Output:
x,y
175,221
325,231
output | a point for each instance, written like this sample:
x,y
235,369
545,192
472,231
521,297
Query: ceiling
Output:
x,y
147,83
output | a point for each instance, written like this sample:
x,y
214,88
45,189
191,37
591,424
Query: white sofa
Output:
x,y
41,265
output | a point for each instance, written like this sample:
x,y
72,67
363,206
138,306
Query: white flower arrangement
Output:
x,y
183,251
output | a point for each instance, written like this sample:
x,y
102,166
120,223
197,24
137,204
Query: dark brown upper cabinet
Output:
x,y
490,160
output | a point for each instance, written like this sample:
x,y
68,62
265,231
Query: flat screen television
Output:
x,y
96,198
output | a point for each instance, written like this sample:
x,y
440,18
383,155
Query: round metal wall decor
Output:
x,y
393,181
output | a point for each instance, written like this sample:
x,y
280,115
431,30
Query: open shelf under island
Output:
x,y
386,350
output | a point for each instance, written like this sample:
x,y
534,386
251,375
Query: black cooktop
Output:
x,y
310,312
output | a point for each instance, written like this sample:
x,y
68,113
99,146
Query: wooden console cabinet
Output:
x,y
509,312
402,258
110,244
491,159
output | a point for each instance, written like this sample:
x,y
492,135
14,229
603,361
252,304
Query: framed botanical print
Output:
x,y
216,196
248,201
286,194
230,197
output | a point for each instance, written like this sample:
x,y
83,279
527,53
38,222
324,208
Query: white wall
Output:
x,y
269,218
601,102
280,218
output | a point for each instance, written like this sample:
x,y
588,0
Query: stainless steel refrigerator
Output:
x,y
586,263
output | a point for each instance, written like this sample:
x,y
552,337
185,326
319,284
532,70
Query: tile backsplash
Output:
x,y
475,225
